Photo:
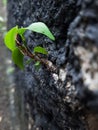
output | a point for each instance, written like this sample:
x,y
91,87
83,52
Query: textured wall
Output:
x,y
57,101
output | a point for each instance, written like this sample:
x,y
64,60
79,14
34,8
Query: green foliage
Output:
x,y
41,28
4,2
37,65
17,57
9,39
28,61
39,49
13,42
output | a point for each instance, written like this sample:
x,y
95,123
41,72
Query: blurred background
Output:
x,y
5,120
7,107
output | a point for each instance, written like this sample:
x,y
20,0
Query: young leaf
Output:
x,y
17,58
21,31
9,39
41,50
41,28
37,65
28,61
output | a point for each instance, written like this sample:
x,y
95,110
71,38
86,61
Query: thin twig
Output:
x,y
26,51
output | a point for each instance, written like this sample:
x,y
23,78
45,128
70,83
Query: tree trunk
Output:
x,y
68,99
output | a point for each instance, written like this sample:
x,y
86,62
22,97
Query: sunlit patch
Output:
x,y
8,61
62,74
89,66
0,118
12,90
10,70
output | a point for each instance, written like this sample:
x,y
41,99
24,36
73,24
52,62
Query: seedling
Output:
x,y
15,41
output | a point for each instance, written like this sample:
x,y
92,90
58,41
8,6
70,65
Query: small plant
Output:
x,y
15,41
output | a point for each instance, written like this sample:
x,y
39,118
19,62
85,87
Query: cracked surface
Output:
x,y
57,101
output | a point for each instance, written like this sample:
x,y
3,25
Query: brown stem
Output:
x,y
25,51
46,62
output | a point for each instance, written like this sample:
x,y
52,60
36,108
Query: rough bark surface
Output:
x,y
63,100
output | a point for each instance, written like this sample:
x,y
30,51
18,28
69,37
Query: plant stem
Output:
x,y
26,51
44,61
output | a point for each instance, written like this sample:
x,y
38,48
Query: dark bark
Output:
x,y
63,100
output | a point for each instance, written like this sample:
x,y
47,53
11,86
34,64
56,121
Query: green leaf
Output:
x,y
9,38
37,65
28,61
17,58
41,50
41,28
21,31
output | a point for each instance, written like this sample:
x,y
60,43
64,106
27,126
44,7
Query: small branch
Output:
x,y
43,61
25,51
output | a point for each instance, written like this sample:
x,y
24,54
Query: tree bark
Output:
x,y
67,100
